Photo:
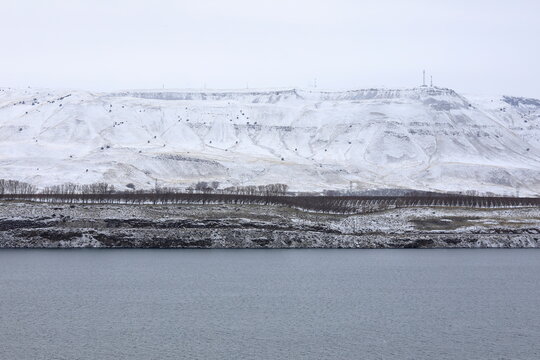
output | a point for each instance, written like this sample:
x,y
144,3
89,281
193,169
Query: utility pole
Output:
x,y
424,78
431,82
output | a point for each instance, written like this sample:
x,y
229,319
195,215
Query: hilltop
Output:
x,y
425,138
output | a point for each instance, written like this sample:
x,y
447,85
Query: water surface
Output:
x,y
269,304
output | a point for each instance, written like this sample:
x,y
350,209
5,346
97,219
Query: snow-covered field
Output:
x,y
422,138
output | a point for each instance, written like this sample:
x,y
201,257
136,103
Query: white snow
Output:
x,y
421,138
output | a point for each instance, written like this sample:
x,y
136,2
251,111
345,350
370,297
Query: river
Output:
x,y
270,304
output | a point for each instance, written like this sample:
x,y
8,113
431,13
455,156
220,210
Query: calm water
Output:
x,y
269,304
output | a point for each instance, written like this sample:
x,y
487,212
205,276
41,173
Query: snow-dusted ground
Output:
x,y
254,226
421,138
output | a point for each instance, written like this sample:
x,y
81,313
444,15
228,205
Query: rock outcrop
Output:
x,y
30,225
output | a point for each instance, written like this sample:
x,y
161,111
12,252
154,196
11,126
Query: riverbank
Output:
x,y
41,225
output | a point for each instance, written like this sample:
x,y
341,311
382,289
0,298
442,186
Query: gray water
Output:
x,y
269,304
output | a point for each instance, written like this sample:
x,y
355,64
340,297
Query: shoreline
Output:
x,y
43,225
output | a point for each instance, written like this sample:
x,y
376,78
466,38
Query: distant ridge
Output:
x,y
426,138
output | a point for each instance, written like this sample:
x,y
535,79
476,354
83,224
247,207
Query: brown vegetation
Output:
x,y
271,194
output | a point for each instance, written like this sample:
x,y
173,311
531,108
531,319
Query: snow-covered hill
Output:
x,y
422,138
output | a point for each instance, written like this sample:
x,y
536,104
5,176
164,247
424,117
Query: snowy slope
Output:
x,y
421,138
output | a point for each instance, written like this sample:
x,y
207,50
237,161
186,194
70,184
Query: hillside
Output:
x,y
422,138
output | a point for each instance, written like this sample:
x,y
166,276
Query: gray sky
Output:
x,y
475,46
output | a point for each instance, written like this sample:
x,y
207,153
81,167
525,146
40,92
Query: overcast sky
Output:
x,y
475,46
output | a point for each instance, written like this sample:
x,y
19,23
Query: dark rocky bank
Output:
x,y
40,225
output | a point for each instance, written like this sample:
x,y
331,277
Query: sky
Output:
x,y
476,46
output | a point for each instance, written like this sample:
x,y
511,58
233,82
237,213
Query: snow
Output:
x,y
420,138
27,224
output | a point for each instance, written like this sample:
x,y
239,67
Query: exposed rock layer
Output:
x,y
226,226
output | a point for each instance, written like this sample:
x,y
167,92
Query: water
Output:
x,y
269,304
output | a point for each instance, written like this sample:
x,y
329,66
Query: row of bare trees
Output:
x,y
260,190
202,187
325,204
272,194
71,189
16,187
